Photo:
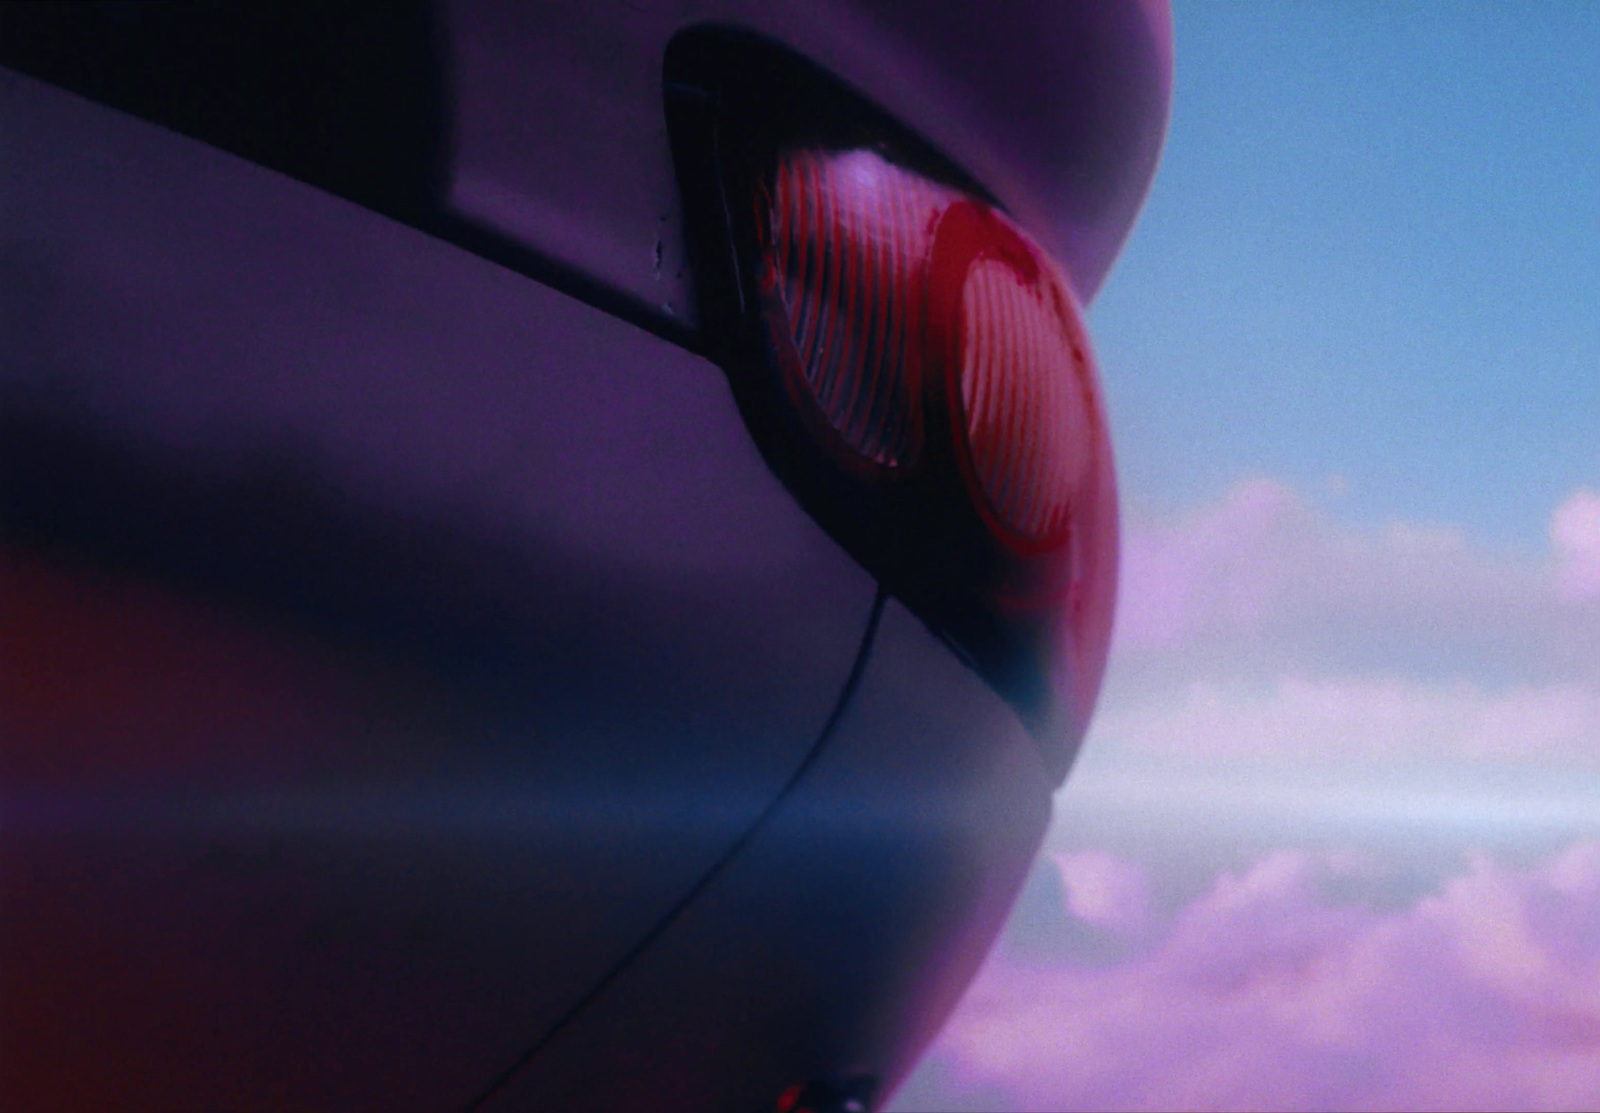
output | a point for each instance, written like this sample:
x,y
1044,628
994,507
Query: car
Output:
x,y
553,554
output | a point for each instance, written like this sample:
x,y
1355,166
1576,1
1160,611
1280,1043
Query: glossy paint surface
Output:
x,y
846,930
417,688
390,641
1058,109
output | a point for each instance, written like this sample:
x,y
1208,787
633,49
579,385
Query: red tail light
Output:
x,y
912,365
1026,407
900,297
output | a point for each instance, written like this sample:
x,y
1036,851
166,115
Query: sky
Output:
x,y
1333,840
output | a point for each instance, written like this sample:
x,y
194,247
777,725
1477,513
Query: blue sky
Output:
x,y
1371,251
1333,840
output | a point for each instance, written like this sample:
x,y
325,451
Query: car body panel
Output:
x,y
1058,109
391,641
416,687
844,932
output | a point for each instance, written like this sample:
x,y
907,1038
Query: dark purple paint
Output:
x,y
553,634
392,642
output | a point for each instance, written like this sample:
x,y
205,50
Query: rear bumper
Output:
x,y
836,943
392,643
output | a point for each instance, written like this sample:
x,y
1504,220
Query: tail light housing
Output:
x,y
912,364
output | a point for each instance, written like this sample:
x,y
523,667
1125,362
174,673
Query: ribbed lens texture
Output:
x,y
1027,398
851,235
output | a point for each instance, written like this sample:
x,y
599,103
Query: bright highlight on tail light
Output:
x,y
851,235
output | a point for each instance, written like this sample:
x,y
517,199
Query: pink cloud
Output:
x,y
1264,572
1258,626
1375,719
1575,536
1273,665
1267,992
1225,563
1105,891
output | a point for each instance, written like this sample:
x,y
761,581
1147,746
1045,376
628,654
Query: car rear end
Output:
x,y
473,637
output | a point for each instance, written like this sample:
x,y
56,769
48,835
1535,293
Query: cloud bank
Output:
x,y
1575,536
1257,627
1269,991
1262,578
1372,719
1283,679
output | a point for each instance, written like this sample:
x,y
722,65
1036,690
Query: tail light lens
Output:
x,y
913,365
1027,404
881,279
850,236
